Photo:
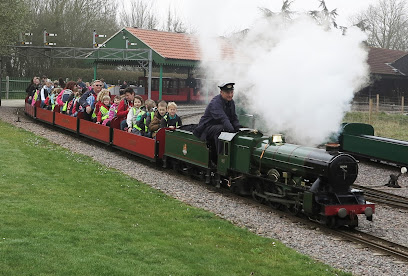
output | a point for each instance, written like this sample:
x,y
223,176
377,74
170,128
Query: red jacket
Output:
x,y
97,107
99,114
123,109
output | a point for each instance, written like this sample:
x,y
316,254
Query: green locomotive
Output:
x,y
299,179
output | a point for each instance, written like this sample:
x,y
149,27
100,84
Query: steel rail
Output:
x,y
384,197
389,248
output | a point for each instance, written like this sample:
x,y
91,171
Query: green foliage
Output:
x,y
111,76
14,18
64,214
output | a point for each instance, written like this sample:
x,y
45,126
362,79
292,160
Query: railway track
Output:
x,y
381,246
386,247
384,197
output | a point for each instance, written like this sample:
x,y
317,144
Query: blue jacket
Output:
x,y
85,99
218,112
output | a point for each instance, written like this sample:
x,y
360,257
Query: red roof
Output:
x,y
168,44
379,58
177,45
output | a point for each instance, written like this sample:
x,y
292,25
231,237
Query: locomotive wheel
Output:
x,y
215,180
274,205
331,222
257,189
352,226
293,209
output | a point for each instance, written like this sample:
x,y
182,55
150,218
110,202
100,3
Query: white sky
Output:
x,y
235,15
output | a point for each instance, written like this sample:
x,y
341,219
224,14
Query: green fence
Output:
x,y
14,88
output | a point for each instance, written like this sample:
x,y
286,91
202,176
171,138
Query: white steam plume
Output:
x,y
298,76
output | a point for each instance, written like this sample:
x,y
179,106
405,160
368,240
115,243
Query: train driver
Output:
x,y
219,116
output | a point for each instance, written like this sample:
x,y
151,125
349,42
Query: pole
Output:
x,y
370,110
378,103
1,66
7,87
149,81
161,82
402,105
95,69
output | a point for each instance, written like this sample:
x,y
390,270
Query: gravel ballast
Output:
x,y
388,222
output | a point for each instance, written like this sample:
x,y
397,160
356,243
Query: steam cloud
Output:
x,y
299,77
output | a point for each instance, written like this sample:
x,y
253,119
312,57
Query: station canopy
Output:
x,y
168,48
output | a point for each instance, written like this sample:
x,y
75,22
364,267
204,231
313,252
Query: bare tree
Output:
x,y
174,23
324,16
141,14
285,10
14,16
72,20
386,24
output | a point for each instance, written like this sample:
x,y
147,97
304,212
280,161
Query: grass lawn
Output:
x,y
385,125
64,214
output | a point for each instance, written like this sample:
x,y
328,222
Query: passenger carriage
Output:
x,y
148,148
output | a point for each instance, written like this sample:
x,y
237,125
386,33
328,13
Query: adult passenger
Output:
x,y
87,100
61,82
66,93
105,86
219,116
124,106
124,85
32,88
81,83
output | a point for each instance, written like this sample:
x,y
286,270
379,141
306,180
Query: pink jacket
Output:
x,y
112,113
59,100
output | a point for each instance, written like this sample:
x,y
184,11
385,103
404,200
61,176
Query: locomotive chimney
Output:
x,y
332,147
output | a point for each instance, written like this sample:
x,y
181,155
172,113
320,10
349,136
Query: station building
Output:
x,y
388,76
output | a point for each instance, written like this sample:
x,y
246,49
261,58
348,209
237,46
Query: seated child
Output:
x,y
52,98
112,111
103,109
158,115
171,119
73,106
133,114
98,104
45,92
67,107
146,118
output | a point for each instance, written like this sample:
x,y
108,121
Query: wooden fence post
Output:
x,y
370,110
402,105
378,103
7,87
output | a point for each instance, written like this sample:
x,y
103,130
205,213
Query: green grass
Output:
x,y
64,214
385,125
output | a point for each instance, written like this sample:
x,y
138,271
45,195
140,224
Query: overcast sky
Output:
x,y
234,15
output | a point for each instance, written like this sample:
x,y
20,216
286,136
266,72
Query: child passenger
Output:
x,y
103,113
112,111
158,115
45,92
171,119
52,99
146,118
99,102
134,114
